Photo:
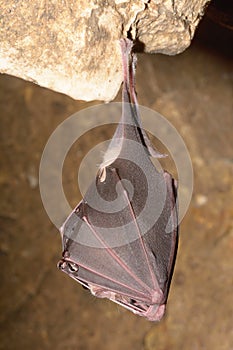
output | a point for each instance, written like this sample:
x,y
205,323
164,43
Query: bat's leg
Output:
x,y
129,95
129,126
126,52
116,143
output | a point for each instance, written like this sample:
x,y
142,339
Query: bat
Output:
x,y
120,242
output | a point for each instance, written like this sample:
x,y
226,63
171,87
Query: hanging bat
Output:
x,y
120,242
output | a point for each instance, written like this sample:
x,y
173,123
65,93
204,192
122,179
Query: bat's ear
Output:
x,y
110,156
102,173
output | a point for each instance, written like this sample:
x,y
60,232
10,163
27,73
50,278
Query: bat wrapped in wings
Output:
x,y
120,242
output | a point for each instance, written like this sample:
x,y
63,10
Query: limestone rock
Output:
x,y
72,46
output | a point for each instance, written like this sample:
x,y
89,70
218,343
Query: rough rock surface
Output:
x,y
72,46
